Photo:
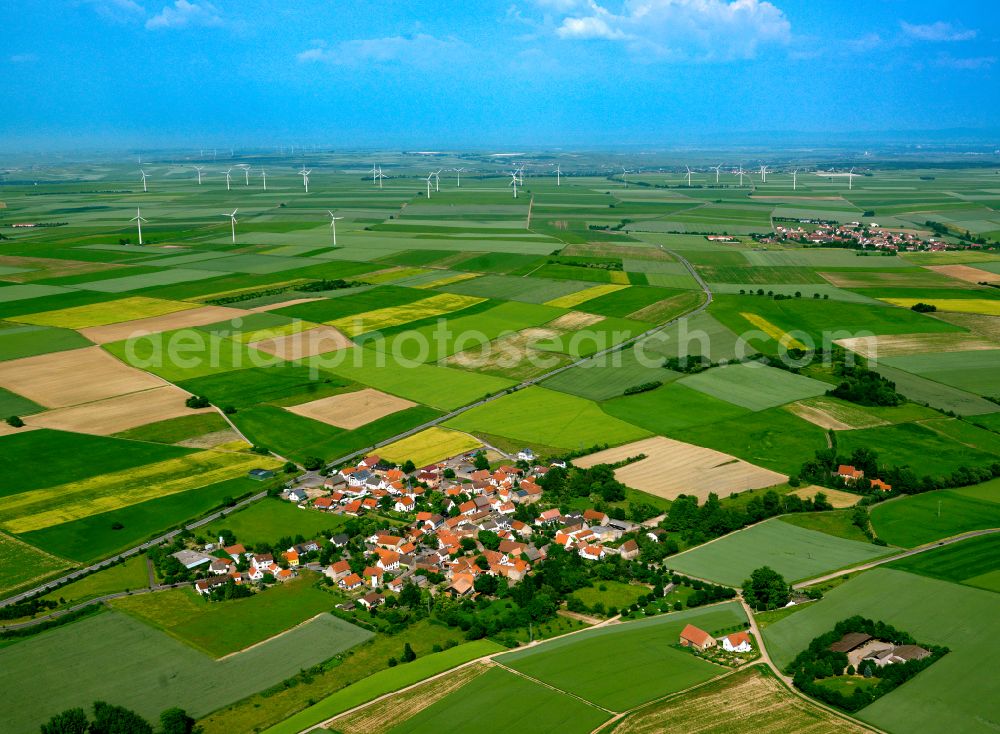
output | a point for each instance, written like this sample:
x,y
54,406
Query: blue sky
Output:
x,y
476,72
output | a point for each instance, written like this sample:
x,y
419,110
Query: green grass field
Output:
x,y
671,407
280,384
754,386
18,341
175,430
485,702
973,562
910,444
613,594
130,575
20,564
384,681
624,665
794,552
924,518
222,628
945,697
974,371
265,522
119,659
547,417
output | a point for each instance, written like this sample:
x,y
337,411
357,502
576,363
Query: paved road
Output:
x,y
912,552
166,537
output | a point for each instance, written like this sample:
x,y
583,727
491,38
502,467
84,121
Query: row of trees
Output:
x,y
111,719
699,523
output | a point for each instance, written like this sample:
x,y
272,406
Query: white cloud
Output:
x,y
972,63
419,49
184,14
939,31
24,58
683,29
119,11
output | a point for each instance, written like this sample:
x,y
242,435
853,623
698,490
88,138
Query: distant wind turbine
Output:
x,y
263,176
232,218
138,220
379,175
763,174
333,225
513,182
199,169
850,179
429,177
625,173
437,180
374,173
305,177
229,179
143,174
558,174
795,183
246,172
688,175
717,169
458,177
741,173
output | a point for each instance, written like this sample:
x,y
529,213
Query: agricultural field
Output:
x,y
220,629
113,656
266,522
672,468
646,662
796,553
537,415
754,386
943,697
751,701
973,562
430,445
923,518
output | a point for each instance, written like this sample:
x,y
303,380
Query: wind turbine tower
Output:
x,y
625,173
232,219
246,172
379,175
558,174
143,174
333,225
763,174
795,183
229,179
138,220
688,176
513,182
263,177
428,179
458,177
717,169
850,179
437,180
305,177
199,169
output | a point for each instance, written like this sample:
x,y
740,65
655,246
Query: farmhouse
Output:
x,y
737,642
699,639
849,474
351,582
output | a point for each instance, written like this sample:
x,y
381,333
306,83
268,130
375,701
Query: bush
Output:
x,y
197,401
15,422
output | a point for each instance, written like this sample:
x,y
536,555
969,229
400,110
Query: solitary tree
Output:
x,y
766,589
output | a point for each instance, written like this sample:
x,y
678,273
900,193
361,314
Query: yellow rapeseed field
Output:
x,y
383,318
575,299
109,312
43,508
429,446
783,338
987,306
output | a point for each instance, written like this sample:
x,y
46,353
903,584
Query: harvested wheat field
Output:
x,y
214,440
901,345
308,343
967,273
7,430
61,379
835,497
985,326
748,702
832,414
120,413
513,356
575,320
351,410
394,710
156,324
673,467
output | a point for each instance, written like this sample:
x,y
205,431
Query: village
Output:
x,y
452,527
